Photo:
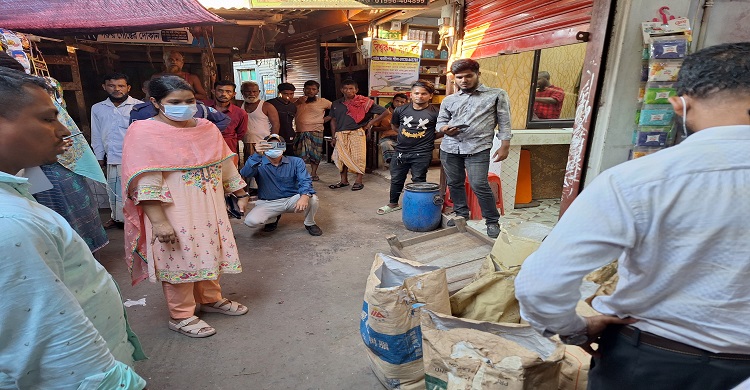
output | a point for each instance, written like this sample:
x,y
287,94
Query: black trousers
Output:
x,y
628,364
401,163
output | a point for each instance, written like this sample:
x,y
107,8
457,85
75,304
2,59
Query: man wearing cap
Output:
x,y
284,104
284,186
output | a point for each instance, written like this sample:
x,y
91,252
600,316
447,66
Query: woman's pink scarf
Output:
x,y
150,146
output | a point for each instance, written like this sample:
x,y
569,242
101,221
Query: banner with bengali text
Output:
x,y
394,66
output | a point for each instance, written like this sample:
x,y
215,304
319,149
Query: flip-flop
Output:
x,y
338,185
315,178
357,186
388,209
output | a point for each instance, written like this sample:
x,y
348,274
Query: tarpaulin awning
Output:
x,y
68,17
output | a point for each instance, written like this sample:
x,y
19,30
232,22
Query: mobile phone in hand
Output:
x,y
460,127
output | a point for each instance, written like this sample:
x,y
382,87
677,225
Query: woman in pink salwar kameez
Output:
x,y
176,171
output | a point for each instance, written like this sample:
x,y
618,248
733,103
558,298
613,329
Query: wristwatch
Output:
x,y
242,196
309,195
577,338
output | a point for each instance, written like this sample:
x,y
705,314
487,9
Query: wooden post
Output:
x,y
72,60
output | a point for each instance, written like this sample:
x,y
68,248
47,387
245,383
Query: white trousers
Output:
x,y
266,211
114,191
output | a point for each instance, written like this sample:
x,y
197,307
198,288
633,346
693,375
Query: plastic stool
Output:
x,y
497,190
448,202
475,211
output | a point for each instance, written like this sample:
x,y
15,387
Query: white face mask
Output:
x,y
684,117
180,112
274,153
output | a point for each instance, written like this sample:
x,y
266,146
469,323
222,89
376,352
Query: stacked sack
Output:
x,y
484,344
390,321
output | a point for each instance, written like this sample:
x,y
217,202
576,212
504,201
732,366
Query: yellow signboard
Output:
x,y
337,4
394,66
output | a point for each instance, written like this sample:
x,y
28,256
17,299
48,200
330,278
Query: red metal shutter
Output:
x,y
507,26
302,63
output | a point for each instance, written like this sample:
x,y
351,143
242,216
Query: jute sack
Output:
x,y
574,374
464,354
511,251
389,325
606,277
491,296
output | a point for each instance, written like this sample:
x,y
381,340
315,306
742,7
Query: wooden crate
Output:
x,y
458,249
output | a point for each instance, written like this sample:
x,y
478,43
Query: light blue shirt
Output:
x,y
63,324
108,126
677,220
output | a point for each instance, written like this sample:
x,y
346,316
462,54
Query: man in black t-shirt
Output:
x,y
415,124
287,110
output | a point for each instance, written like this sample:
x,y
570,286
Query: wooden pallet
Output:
x,y
458,249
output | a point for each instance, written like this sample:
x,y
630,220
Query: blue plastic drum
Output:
x,y
422,206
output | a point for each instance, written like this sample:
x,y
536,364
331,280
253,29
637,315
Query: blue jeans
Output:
x,y
400,166
477,165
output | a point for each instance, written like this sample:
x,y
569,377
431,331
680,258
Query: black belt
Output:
x,y
639,336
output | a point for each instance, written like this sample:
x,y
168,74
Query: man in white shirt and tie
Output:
x,y
110,119
677,221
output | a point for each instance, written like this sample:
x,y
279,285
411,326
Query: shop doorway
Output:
x,y
266,72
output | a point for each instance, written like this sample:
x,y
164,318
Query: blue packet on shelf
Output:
x,y
669,48
656,115
651,138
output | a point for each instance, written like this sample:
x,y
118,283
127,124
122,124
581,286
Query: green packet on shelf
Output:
x,y
658,95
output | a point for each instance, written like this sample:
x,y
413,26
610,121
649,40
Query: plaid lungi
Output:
x,y
308,145
351,151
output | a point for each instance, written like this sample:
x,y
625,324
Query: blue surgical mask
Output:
x,y
274,153
180,112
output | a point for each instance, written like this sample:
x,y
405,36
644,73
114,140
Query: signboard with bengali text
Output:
x,y
394,66
181,36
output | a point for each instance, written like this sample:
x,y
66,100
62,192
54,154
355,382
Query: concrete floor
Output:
x,y
304,294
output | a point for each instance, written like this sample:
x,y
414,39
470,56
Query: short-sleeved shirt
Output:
x,y
548,110
310,116
416,128
237,127
344,122
286,111
386,122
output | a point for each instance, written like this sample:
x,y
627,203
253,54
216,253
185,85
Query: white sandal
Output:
x,y
225,306
192,330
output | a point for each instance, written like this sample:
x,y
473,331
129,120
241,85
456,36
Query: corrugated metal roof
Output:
x,y
226,4
60,17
